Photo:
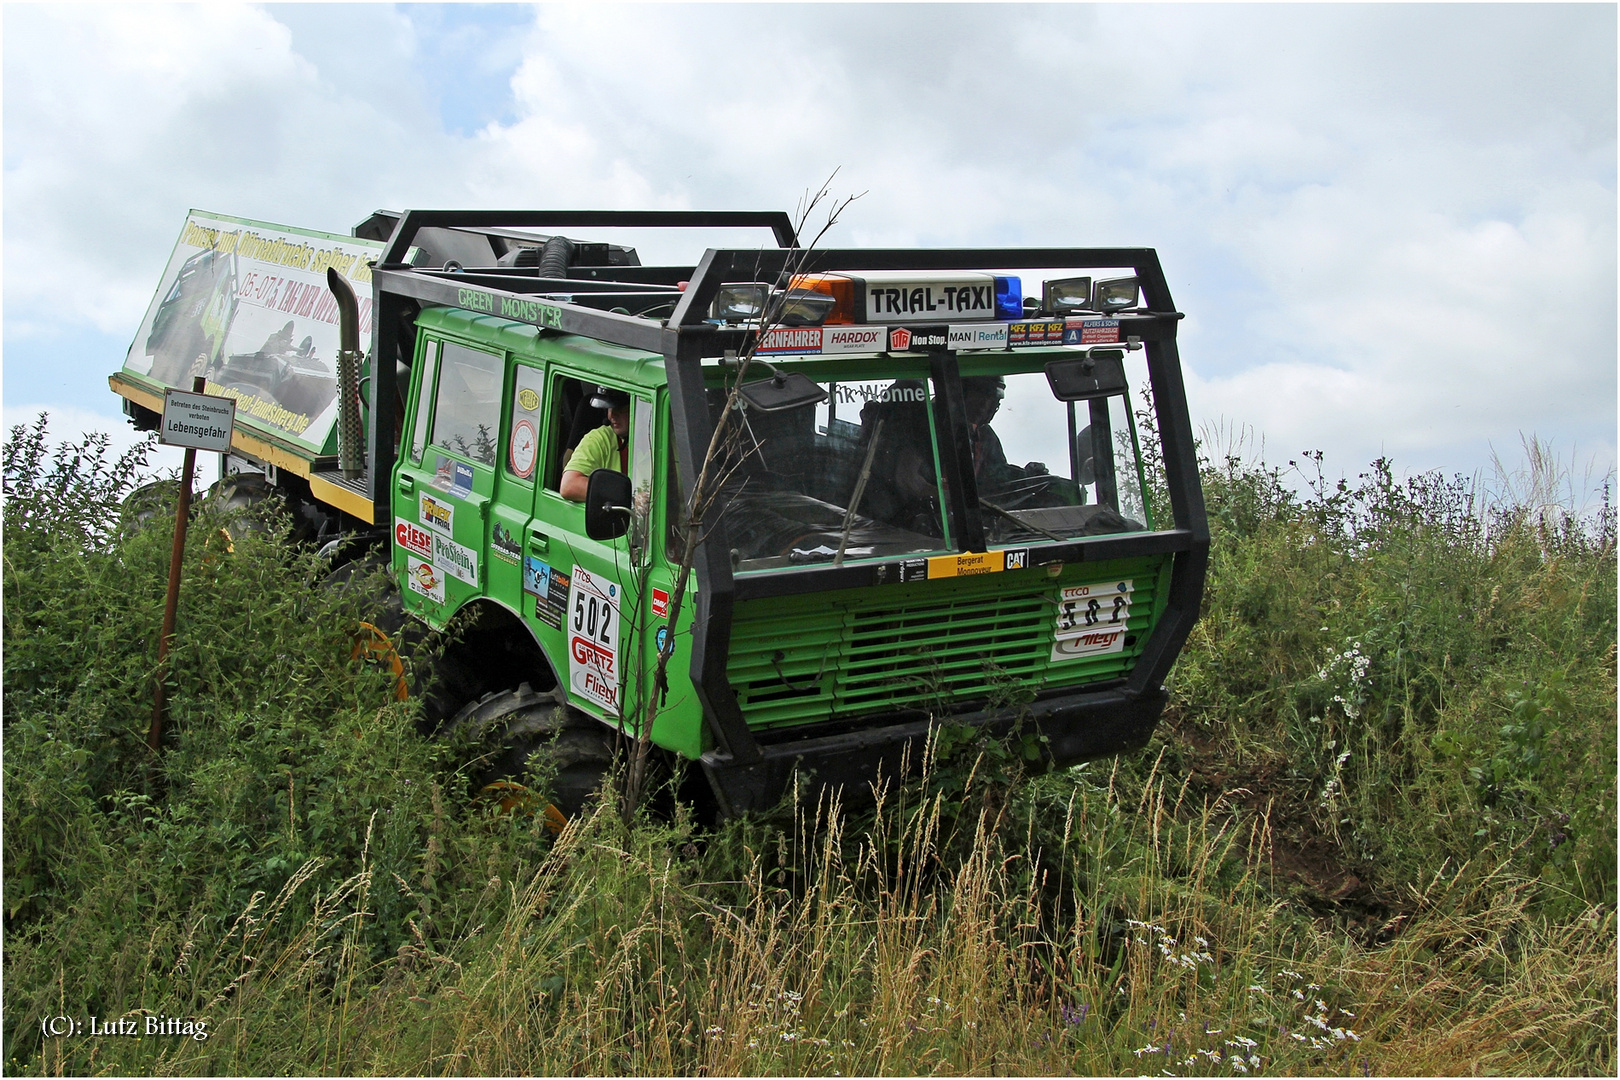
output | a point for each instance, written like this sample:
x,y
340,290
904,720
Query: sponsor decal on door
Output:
x,y
593,639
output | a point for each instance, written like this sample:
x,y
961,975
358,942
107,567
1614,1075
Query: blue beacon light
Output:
x,y
1009,298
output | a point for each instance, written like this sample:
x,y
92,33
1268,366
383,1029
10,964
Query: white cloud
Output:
x,y
1392,227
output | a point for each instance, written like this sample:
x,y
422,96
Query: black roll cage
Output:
x,y
583,302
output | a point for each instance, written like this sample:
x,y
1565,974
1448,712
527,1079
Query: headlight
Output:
x,y
1116,294
740,301
1066,295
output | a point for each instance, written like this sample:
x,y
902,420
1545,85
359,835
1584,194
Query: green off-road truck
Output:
x,y
928,501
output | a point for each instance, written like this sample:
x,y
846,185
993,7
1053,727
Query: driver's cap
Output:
x,y
606,397
986,385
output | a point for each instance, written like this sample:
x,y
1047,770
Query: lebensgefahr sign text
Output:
x,y
198,421
245,305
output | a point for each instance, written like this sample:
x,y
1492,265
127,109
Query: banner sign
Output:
x,y
245,305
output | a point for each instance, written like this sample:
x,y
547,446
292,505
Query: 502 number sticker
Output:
x,y
1091,619
593,639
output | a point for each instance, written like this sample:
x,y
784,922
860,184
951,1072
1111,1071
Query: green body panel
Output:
x,y
839,655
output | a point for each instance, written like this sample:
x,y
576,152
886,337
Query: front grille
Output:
x,y
930,647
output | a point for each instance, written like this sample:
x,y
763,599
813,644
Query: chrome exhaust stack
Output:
x,y
351,440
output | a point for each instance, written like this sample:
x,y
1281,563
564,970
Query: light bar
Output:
x,y
801,307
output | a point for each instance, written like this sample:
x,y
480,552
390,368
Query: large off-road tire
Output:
x,y
527,734
247,501
144,504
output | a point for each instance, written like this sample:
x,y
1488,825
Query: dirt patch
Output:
x,y
1306,863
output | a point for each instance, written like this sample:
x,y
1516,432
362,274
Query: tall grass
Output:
x,y
1374,835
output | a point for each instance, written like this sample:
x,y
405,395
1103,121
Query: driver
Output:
x,y
982,395
606,447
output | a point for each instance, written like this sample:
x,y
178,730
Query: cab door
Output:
x,y
512,508
591,584
445,482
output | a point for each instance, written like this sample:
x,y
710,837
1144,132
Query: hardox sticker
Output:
x,y
853,339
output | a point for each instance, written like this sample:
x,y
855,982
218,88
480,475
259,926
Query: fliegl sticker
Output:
x,y
1092,619
593,639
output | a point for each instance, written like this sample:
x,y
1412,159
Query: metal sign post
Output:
x,y
196,422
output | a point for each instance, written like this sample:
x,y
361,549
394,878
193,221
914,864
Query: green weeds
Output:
x,y
1375,833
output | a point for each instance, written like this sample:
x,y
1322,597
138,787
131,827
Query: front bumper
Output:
x,y
1077,726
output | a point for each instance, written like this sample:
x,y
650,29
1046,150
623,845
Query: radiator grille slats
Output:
x,y
924,646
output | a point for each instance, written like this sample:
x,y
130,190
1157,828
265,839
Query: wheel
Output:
x,y
145,503
245,501
523,731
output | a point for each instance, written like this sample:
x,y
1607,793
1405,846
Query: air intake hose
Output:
x,y
555,257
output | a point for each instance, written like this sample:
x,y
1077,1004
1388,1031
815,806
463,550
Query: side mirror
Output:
x,y
1097,374
607,505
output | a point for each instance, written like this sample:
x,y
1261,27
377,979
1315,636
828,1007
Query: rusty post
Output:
x,y
182,513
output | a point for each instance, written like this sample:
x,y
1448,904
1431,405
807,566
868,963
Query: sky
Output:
x,y
1391,227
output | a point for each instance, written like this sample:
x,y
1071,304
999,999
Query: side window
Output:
x,y
467,407
430,364
523,431
572,417
641,472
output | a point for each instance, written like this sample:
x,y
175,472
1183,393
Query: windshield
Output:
x,y
855,476
858,475
1050,469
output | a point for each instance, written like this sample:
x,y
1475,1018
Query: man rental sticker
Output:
x,y
593,639
197,421
1091,619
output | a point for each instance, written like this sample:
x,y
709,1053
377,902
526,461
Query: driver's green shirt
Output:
x,y
599,449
